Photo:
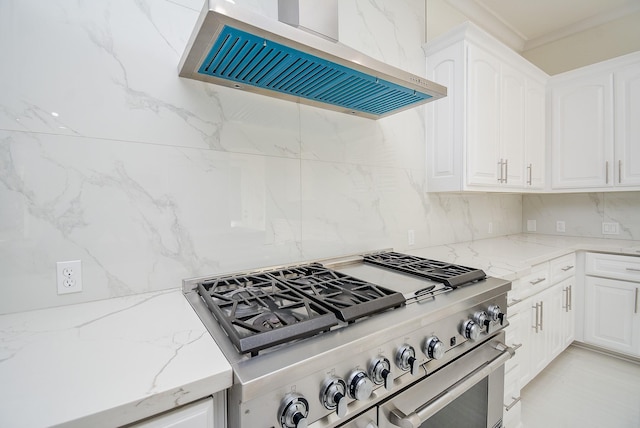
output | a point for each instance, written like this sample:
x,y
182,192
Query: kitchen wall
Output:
x,y
584,213
109,157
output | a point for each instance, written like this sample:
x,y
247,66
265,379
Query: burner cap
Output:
x,y
273,320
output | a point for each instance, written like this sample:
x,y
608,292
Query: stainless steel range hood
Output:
x,y
233,47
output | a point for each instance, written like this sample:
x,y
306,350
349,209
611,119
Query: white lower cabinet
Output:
x,y
195,415
611,306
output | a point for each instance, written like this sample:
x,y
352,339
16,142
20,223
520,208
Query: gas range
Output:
x,y
315,344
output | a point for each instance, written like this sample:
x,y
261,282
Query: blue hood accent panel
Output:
x,y
251,60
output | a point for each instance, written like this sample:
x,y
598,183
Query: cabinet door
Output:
x,y
568,317
553,303
582,133
512,97
611,320
537,340
627,134
483,136
534,135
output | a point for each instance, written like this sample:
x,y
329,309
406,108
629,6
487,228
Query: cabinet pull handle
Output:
x,y
541,315
506,170
566,268
565,292
633,269
537,281
513,403
502,178
529,181
516,346
514,301
635,310
537,316
570,302
606,172
620,171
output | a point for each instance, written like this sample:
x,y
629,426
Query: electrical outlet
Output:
x,y
69,277
560,226
490,228
411,237
610,228
531,226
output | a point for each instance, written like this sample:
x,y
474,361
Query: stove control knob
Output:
x,y
434,348
482,319
496,313
380,372
359,384
294,410
470,330
333,395
406,359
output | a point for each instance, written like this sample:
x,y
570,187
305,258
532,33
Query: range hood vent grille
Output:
x,y
235,48
248,59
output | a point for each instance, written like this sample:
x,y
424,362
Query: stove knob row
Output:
x,y
406,359
333,395
380,372
496,313
294,410
434,348
359,385
470,330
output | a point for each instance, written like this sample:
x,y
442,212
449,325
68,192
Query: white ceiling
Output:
x,y
526,24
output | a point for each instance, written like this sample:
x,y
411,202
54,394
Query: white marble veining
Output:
x,y
109,157
106,363
584,213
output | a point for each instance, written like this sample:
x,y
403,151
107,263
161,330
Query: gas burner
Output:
x,y
273,320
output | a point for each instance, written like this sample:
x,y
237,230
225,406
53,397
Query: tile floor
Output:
x,y
583,388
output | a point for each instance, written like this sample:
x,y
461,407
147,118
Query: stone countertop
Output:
x,y
511,257
106,363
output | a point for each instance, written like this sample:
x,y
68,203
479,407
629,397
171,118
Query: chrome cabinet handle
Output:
x,y
541,315
620,171
633,269
606,172
537,317
537,281
570,301
517,346
421,414
635,310
565,291
529,167
514,301
506,170
502,178
566,268
513,403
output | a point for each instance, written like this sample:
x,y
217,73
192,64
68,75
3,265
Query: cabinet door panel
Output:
x,y
627,137
512,105
483,119
534,136
582,133
611,320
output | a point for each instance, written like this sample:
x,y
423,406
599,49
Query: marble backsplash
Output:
x,y
107,156
584,213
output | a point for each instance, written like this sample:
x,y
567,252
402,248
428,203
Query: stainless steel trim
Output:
x,y
566,268
529,167
500,164
620,171
537,281
416,418
565,306
513,403
606,172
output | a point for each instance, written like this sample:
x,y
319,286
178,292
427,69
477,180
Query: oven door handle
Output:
x,y
415,419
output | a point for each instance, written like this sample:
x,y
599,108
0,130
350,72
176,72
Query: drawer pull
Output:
x,y
513,403
514,301
566,268
633,270
537,281
516,346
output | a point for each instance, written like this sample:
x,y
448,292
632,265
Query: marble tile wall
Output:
x,y
584,213
107,156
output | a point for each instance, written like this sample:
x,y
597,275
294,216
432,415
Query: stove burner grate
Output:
x,y
449,274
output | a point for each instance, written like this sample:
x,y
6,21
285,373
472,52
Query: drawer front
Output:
x,y
613,266
537,280
562,268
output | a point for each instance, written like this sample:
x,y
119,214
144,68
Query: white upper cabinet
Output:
x,y
595,134
490,128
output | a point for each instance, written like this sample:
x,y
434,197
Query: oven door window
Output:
x,y
468,411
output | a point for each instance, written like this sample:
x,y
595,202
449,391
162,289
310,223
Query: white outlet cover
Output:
x,y
69,276
560,226
531,226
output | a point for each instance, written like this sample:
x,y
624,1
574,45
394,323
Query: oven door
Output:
x,y
467,392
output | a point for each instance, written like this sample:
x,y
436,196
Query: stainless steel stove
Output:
x,y
344,342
